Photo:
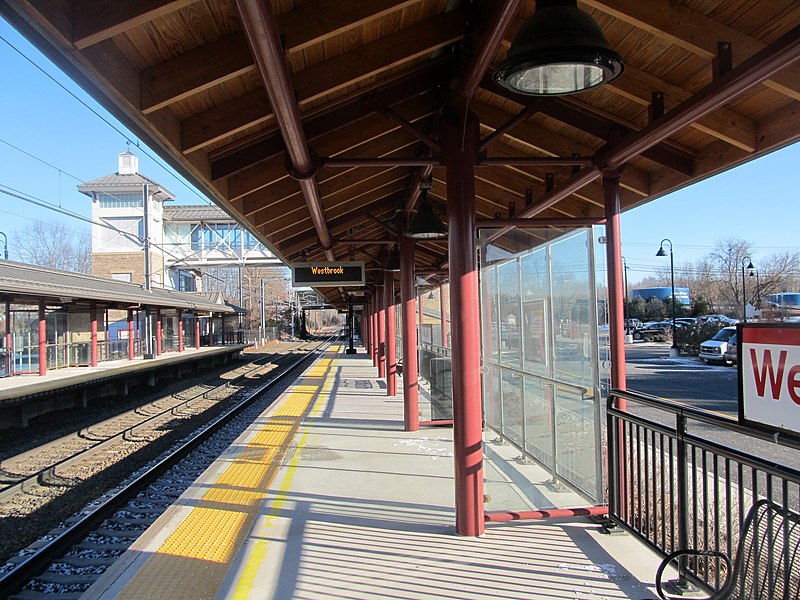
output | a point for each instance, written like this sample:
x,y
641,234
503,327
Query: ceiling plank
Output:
x,y
98,20
315,22
193,72
696,33
380,56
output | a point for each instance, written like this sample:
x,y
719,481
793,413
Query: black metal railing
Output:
x,y
681,477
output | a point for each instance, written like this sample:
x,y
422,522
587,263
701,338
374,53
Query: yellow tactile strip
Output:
x,y
193,560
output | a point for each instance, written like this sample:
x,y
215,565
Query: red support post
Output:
x,y
443,309
409,314
42,339
159,332
616,287
197,332
9,340
381,324
131,336
391,333
93,317
462,139
180,330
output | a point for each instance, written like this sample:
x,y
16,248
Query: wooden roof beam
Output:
x,y
237,115
753,71
723,124
98,20
262,33
584,118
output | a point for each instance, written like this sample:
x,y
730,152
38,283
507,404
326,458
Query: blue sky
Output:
x,y
66,141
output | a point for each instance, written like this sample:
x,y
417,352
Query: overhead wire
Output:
x,y
105,120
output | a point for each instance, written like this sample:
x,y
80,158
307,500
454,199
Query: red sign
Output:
x,y
769,375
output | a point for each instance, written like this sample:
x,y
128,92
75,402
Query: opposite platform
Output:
x,y
326,497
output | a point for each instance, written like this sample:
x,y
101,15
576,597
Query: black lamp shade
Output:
x,y
425,224
393,263
558,50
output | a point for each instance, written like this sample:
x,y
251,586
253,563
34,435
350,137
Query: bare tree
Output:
x,y
52,245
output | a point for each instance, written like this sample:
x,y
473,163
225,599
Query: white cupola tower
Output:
x,y
128,164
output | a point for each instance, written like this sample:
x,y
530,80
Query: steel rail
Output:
x,y
48,473
31,566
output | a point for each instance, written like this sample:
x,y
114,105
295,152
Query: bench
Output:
x,y
767,561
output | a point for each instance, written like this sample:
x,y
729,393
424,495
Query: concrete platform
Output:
x,y
326,497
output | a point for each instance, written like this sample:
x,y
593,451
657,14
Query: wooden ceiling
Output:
x,y
369,81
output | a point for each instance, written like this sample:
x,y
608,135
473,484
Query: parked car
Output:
x,y
721,319
648,331
732,351
713,350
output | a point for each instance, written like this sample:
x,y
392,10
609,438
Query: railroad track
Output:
x,y
95,541
57,460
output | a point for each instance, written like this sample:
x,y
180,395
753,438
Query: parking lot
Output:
x,y
686,378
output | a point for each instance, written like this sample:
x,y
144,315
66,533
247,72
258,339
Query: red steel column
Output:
x,y
616,287
9,353
197,332
131,334
373,331
180,330
381,324
443,309
159,332
93,317
409,313
461,141
42,340
391,334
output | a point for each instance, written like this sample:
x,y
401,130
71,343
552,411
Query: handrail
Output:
x,y
676,490
698,414
583,390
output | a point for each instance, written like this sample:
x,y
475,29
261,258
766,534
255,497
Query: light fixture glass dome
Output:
x,y
558,50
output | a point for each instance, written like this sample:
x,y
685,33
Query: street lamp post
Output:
x,y
628,334
749,267
5,245
758,288
674,349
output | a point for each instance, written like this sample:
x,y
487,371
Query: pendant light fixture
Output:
x,y
393,262
425,224
558,50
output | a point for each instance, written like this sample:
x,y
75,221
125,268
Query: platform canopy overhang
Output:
x,y
314,122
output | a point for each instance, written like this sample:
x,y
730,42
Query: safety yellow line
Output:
x,y
246,582
193,561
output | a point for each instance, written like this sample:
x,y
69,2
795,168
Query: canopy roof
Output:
x,y
333,147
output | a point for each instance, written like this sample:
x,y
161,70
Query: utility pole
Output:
x,y
148,323
263,322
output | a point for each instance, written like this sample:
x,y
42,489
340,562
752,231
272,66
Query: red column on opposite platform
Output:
x,y
93,317
42,339
409,314
391,334
461,140
131,334
180,330
196,332
159,332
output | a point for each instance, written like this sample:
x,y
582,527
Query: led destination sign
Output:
x,y
322,274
